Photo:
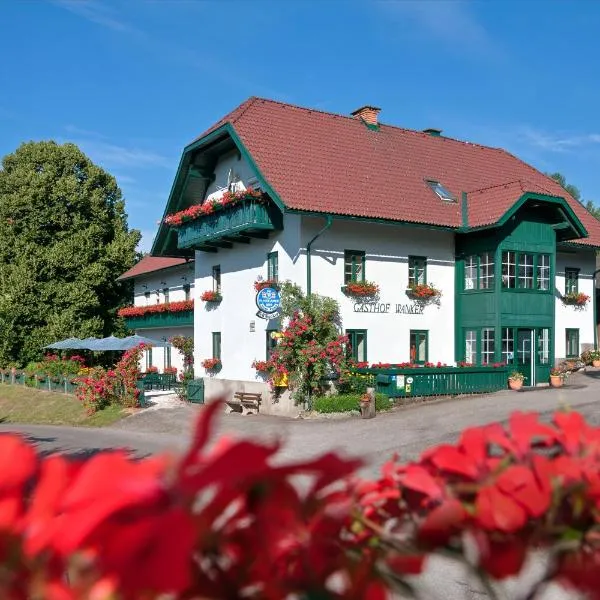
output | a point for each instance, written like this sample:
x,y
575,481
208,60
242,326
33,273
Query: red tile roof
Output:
x,y
148,264
324,162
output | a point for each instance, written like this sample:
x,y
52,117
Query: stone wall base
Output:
x,y
272,404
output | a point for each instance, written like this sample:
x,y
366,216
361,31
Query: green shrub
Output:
x,y
354,383
347,402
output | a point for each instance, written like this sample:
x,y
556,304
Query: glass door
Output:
x,y
525,355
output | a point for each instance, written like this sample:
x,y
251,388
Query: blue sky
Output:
x,y
133,82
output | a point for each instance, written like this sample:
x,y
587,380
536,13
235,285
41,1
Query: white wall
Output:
x,y
240,170
158,354
568,316
387,249
154,283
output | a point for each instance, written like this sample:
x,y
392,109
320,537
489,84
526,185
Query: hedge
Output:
x,y
347,402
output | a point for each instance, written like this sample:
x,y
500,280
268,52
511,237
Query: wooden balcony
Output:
x,y
184,318
235,224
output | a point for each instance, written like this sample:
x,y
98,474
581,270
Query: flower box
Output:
x,y
262,366
423,292
261,284
578,300
212,364
166,307
361,289
211,296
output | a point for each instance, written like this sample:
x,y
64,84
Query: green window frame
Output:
x,y
166,295
216,277
571,343
419,346
470,337
148,358
216,344
488,346
273,266
417,270
354,266
167,357
271,343
571,280
528,271
357,340
479,271
186,291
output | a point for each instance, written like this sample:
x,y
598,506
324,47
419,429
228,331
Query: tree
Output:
x,y
574,191
64,239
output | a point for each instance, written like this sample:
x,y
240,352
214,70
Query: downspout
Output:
x,y
328,224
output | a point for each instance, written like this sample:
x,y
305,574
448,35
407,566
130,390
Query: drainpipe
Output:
x,y
328,224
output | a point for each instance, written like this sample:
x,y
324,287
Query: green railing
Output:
x,y
445,381
61,384
249,216
167,319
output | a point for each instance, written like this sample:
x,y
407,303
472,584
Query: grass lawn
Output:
x,y
21,404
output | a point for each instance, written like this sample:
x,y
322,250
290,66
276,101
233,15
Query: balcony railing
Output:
x,y
238,223
176,319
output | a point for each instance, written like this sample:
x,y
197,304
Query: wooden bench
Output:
x,y
246,400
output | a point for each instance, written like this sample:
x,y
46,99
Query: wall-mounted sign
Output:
x,y
381,307
268,301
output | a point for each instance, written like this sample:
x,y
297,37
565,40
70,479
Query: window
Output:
x,y
544,346
166,295
543,272
486,271
147,296
471,273
354,266
571,281
417,270
526,271
148,358
572,336
186,291
470,346
508,269
167,362
216,344
440,190
216,277
508,345
357,344
418,347
488,346
271,343
273,266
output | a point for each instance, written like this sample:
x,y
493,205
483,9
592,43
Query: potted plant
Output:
x,y
361,289
576,299
212,364
595,358
423,292
515,380
556,378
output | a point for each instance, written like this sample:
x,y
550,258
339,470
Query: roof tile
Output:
x,y
148,264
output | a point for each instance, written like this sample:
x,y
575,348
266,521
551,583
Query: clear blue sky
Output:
x,y
133,82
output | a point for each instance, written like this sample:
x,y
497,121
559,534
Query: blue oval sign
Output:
x,y
268,300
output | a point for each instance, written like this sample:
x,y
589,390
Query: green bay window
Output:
x,y
273,266
479,271
216,344
470,346
488,345
357,344
417,271
509,267
471,273
543,272
354,266
571,281
419,346
572,343
526,271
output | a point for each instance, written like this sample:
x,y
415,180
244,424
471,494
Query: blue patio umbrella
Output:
x,y
64,344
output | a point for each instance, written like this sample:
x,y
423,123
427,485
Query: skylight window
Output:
x,y
440,190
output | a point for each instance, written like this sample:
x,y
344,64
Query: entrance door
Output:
x,y
525,355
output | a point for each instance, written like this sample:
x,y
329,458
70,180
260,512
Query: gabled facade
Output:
x,y
163,306
346,199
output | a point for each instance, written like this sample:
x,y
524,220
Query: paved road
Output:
x,y
408,431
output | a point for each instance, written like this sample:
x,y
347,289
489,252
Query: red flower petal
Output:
x,y
520,484
496,511
451,460
18,462
442,522
418,479
504,558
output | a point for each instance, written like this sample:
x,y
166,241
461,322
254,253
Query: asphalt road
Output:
x,y
408,431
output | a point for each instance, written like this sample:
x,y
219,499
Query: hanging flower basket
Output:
x,y
211,296
261,284
212,364
424,293
577,300
262,366
361,289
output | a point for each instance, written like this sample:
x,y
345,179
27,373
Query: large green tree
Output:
x,y
574,191
64,239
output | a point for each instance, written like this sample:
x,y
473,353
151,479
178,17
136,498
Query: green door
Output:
x,y
525,356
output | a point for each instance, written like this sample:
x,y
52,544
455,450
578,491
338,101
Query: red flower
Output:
x,y
167,307
211,296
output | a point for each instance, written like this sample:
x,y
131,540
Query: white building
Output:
x,y
163,306
349,199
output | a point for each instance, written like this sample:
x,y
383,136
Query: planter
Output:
x,y
556,381
515,384
596,363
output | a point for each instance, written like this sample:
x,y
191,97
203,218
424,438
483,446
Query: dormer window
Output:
x,y
440,190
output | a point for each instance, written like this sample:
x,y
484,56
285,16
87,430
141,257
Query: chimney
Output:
x,y
433,132
367,113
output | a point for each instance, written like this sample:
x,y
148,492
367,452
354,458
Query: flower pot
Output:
x,y
515,384
556,381
596,363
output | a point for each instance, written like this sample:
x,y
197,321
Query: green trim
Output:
x,y
216,344
416,262
571,331
350,254
425,334
273,266
371,126
351,333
